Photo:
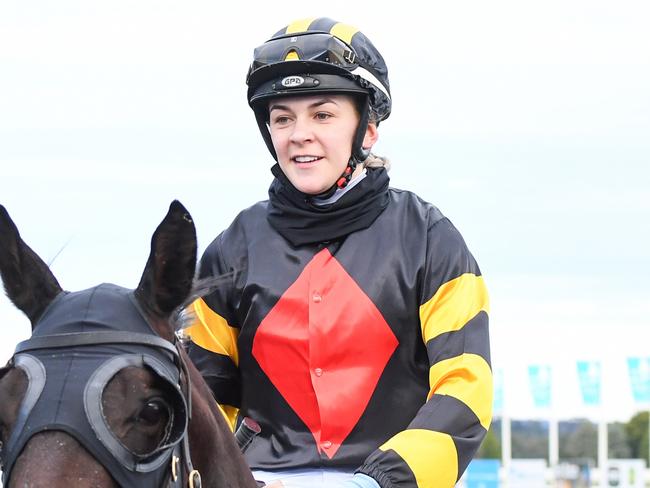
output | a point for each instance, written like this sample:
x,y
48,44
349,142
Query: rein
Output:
x,y
193,476
181,467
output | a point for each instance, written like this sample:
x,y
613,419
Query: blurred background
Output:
x,y
527,123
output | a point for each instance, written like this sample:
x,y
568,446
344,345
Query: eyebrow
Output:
x,y
318,103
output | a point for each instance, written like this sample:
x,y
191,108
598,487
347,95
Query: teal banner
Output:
x,y
639,369
589,377
483,473
540,385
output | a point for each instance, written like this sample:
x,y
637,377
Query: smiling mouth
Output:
x,y
305,160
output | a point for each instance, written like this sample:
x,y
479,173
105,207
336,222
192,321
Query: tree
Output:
x,y
529,439
581,443
619,447
637,435
491,446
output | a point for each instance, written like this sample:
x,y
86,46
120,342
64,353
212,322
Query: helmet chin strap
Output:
x,y
359,154
346,176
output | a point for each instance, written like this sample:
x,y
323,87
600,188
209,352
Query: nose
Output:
x,y
302,131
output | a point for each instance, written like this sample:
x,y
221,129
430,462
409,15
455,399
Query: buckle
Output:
x,y
194,479
175,462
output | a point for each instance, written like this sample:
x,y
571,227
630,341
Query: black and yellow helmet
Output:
x,y
319,56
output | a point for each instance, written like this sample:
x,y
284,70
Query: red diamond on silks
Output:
x,y
324,346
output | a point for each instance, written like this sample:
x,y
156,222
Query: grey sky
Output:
x,y
527,123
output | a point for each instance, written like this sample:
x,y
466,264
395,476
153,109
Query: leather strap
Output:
x,y
92,339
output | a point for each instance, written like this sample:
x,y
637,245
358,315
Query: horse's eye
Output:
x,y
154,411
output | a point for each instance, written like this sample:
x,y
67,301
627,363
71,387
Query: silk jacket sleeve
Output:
x,y
214,332
439,443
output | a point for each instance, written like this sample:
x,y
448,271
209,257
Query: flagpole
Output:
x,y
602,449
501,407
553,426
506,445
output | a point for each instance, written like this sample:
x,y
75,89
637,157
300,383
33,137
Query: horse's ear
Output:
x,y
28,281
168,276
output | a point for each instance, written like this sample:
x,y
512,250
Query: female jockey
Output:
x,y
352,323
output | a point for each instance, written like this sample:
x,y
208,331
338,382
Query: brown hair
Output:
x,y
374,160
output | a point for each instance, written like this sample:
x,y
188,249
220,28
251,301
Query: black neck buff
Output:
x,y
300,221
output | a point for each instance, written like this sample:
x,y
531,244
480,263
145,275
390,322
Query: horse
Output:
x,y
103,394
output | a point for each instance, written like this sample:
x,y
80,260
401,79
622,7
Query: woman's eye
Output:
x,y
154,411
280,120
322,116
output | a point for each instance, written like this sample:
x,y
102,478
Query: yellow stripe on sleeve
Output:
x,y
437,465
454,304
230,414
344,32
212,332
469,379
299,25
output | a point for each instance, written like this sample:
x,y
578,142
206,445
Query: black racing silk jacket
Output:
x,y
369,352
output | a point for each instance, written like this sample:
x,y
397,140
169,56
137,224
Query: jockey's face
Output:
x,y
312,136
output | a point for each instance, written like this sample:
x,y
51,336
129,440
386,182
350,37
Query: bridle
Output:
x,y
173,457
171,462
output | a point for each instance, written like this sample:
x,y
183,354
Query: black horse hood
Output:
x,y
106,307
66,385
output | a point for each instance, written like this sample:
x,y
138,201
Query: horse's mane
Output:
x,y
183,317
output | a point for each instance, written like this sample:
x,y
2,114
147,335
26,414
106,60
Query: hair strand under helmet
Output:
x,y
320,55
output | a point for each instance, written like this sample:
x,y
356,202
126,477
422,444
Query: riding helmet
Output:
x,y
319,56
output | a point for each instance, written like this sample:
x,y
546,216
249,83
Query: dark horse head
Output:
x,y
102,394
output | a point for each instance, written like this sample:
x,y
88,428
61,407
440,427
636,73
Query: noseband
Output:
x,y
97,356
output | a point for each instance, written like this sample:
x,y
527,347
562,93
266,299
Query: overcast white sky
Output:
x,y
527,123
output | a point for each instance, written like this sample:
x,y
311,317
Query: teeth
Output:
x,y
305,159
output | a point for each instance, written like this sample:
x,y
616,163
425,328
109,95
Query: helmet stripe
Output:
x,y
322,24
344,32
299,25
368,76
